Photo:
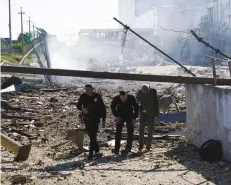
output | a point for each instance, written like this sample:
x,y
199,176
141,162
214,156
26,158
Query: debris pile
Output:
x,y
41,117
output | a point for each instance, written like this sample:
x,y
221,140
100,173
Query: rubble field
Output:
x,y
43,117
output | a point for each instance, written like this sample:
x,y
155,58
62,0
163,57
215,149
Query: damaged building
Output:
x,y
171,20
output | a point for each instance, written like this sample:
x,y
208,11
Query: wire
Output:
x,y
186,43
125,32
168,29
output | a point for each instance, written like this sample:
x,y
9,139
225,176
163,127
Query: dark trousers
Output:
x,y
92,127
130,131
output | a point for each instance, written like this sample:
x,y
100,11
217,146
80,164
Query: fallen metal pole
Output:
x,y
121,76
208,45
200,39
21,151
127,27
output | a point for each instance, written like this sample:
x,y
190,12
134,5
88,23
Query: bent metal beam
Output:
x,y
121,76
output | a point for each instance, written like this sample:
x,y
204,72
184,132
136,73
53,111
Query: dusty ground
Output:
x,y
170,162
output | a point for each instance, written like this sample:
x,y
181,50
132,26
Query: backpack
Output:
x,y
211,151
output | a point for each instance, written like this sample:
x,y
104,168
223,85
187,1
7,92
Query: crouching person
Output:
x,y
149,110
93,109
125,109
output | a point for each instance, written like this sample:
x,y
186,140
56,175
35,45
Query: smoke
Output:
x,y
81,54
174,19
166,25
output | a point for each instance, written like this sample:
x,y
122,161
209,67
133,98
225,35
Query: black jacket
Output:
x,y
94,104
128,109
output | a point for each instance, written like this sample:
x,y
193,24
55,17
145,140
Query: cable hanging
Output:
x,y
124,36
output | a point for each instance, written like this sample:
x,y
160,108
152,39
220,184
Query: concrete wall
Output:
x,y
209,115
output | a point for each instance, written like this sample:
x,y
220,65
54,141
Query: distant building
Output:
x,y
153,14
111,35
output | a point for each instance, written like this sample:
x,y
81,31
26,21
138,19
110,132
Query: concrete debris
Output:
x,y
165,102
22,151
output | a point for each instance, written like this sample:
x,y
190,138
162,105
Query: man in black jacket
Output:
x,y
93,109
125,109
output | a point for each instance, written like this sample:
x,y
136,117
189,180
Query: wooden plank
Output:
x,y
54,90
121,76
6,116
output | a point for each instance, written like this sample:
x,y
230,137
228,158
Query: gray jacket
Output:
x,y
149,102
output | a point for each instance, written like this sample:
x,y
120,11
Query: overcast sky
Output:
x,y
59,16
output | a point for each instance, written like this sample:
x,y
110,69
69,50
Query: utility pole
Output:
x,y
29,24
33,29
22,37
10,34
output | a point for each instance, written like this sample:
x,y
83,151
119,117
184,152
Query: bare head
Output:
x,y
145,88
89,89
123,96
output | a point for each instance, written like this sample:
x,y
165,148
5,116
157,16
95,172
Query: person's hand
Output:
x,y
84,110
118,120
103,123
133,121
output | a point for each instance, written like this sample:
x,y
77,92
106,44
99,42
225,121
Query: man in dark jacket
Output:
x,y
93,109
149,110
125,109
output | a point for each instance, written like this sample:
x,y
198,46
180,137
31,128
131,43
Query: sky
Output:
x,y
58,17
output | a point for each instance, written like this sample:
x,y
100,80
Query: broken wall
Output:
x,y
209,115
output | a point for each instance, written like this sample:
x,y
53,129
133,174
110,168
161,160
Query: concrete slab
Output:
x,y
209,115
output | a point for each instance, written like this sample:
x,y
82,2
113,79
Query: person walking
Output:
x,y
125,109
93,109
149,110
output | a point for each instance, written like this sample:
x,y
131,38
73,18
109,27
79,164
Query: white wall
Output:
x,y
209,115
146,20
126,12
